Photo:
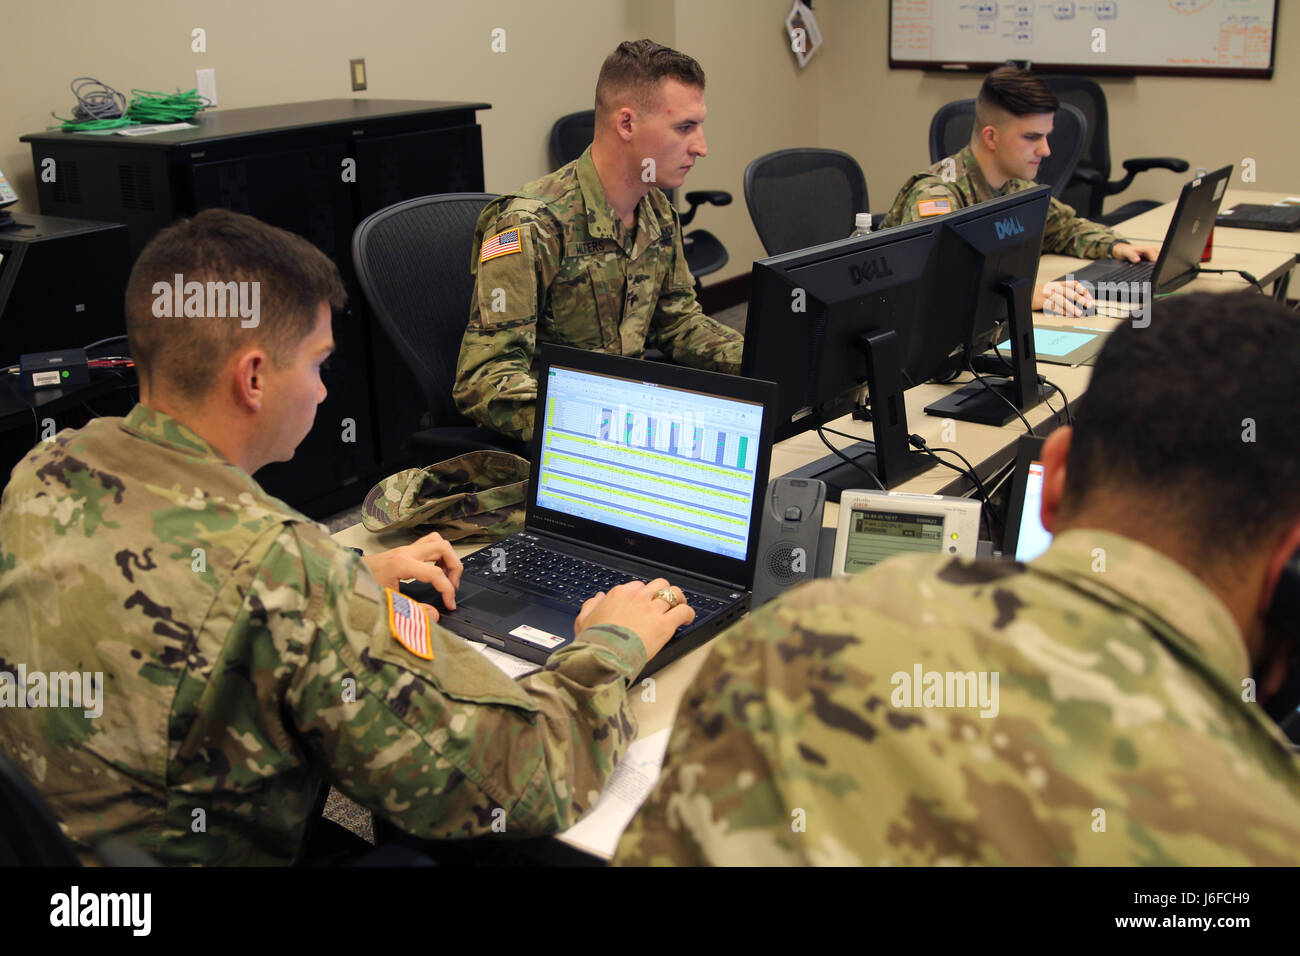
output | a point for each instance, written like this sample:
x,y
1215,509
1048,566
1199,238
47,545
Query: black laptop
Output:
x,y
640,470
1180,255
1249,215
1023,535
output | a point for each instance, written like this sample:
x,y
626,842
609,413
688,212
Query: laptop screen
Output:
x,y
1034,538
1024,537
675,464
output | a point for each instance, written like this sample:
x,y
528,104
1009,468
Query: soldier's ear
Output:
x,y
624,121
1055,450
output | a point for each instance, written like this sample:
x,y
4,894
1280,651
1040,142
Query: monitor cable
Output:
x,y
969,471
970,367
821,433
1069,419
1241,272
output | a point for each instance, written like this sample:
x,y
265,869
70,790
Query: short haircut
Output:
x,y
633,72
1196,413
1015,91
183,355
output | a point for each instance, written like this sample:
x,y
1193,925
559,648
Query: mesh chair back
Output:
x,y
804,197
570,135
1086,95
412,261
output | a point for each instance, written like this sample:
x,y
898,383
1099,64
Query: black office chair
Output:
x,y
412,260
804,197
29,833
1090,187
951,127
572,134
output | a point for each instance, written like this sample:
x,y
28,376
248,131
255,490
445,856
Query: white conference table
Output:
x,y
989,449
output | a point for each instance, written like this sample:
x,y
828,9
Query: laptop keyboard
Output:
x,y
1119,272
565,579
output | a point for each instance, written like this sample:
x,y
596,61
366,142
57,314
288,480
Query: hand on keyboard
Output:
x,y
431,559
635,606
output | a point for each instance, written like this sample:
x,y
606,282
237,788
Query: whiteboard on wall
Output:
x,y
1190,37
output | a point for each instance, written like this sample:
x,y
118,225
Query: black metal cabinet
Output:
x,y
316,169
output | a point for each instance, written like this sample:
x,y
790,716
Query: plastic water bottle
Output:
x,y
861,225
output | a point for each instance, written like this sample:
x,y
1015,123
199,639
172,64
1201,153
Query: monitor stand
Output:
x,y
889,457
974,402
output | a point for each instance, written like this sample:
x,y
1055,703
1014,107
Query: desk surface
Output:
x,y
1154,224
987,447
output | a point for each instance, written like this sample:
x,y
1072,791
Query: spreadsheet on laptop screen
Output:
x,y
676,464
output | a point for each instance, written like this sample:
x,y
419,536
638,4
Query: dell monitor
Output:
x,y
832,325
988,259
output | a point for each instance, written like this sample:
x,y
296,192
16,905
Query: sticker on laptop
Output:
x,y
1218,190
533,636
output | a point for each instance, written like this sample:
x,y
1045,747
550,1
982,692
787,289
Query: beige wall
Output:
x,y
283,51
882,116
286,50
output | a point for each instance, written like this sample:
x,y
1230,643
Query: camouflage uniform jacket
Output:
x,y
578,278
1117,731
247,659
1065,234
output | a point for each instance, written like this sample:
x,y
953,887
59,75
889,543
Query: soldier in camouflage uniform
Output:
x,y
1014,113
591,255
247,659
1123,726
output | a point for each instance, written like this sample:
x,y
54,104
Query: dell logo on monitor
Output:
x,y
871,269
1008,227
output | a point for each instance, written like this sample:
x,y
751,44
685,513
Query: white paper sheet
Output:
x,y
511,666
599,831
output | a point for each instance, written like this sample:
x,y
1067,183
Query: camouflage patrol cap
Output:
x,y
478,494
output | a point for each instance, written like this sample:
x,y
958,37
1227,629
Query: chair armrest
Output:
x,y
713,197
1134,166
697,197
1156,162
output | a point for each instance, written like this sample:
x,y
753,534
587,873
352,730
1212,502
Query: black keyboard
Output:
x,y
1253,216
566,580
1118,272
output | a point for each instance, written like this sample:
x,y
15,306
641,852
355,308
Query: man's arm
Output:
x,y
718,801
680,327
446,746
494,380
1068,234
923,197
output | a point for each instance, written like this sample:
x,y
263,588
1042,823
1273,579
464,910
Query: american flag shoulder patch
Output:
x,y
409,623
933,207
502,244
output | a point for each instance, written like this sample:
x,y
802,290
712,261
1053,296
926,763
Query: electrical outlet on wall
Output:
x,y
358,73
206,81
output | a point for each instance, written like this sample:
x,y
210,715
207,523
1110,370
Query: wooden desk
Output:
x,y
1154,224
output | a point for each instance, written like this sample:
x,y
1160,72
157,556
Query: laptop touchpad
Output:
x,y
494,602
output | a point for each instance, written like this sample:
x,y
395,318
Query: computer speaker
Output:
x,y
789,539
